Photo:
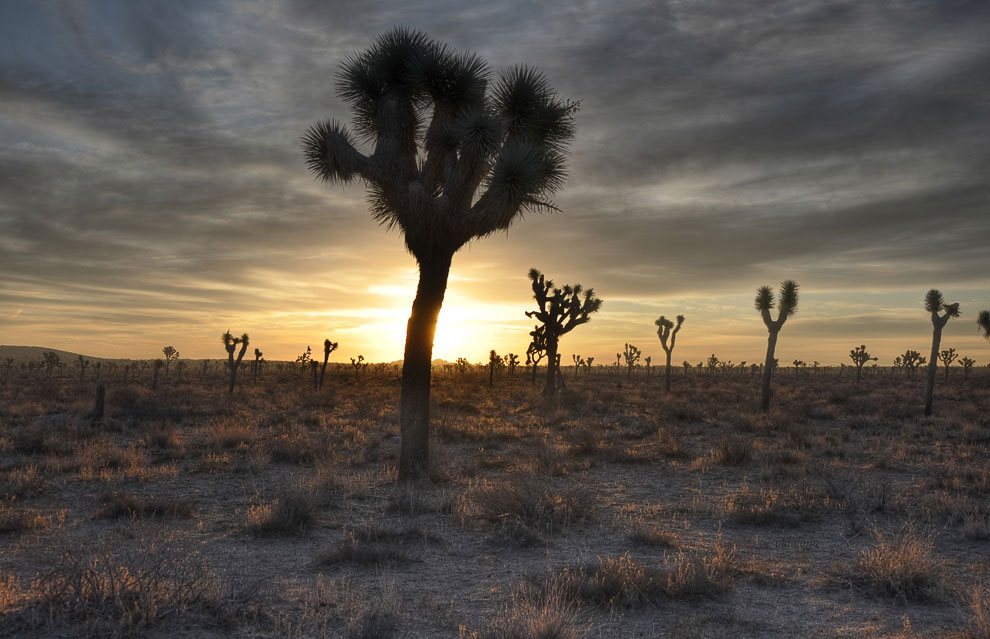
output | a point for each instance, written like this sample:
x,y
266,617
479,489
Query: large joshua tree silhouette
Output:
x,y
941,314
787,306
667,332
490,150
230,345
561,311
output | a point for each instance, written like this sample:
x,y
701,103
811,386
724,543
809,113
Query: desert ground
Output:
x,y
615,511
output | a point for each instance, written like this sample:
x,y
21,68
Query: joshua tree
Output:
x,y
947,357
647,362
304,359
537,349
462,365
967,364
83,365
983,321
787,307
667,332
561,310
159,365
587,364
910,361
230,345
712,364
358,364
255,365
328,347
631,354
51,359
493,357
578,363
798,364
934,304
512,360
859,357
489,151
170,353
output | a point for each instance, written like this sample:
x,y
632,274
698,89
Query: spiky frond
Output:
x,y
764,299
952,310
663,322
330,153
531,109
788,297
680,320
933,301
983,321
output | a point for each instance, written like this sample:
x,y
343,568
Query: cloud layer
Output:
x,y
152,188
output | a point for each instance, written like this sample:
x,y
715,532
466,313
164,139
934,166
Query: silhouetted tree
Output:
x,y
561,310
506,140
910,361
255,365
328,347
170,353
712,364
52,361
537,348
764,303
512,360
358,364
304,359
934,304
859,357
493,361
947,357
159,365
667,332
967,364
631,354
230,345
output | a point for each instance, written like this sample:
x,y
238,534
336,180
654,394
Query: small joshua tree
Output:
x,y
560,311
83,365
255,365
578,363
512,360
587,364
170,353
304,359
358,364
51,359
647,362
537,349
967,364
631,354
764,303
859,357
911,361
947,357
941,313
230,345
798,365
328,347
493,357
712,364
667,332
462,365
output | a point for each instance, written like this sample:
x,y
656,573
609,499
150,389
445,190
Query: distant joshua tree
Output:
x,y
512,360
587,364
230,345
494,360
561,311
328,347
712,364
647,363
304,359
358,364
578,363
255,365
631,354
947,356
764,304
859,356
910,361
83,365
537,348
967,364
934,304
667,332
490,150
52,360
170,353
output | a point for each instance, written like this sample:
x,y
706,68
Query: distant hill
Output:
x,y
35,354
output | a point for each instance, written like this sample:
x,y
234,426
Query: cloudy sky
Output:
x,y
153,190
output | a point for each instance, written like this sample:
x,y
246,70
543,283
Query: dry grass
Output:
x,y
292,512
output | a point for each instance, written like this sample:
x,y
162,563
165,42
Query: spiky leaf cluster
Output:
x,y
506,139
983,322
666,330
786,306
561,309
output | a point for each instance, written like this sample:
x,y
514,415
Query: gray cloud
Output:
x,y
150,159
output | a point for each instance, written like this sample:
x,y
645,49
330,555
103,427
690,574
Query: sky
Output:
x,y
153,189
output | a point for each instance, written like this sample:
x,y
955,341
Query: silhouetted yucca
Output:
x,y
788,306
667,332
934,303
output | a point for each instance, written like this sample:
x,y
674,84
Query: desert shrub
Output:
x,y
526,508
121,505
532,614
293,512
369,544
15,520
902,565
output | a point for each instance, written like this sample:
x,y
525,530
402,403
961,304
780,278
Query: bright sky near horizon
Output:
x,y
153,189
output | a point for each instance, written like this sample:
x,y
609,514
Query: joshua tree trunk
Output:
x,y
859,373
534,374
549,389
414,411
768,370
932,369
666,376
